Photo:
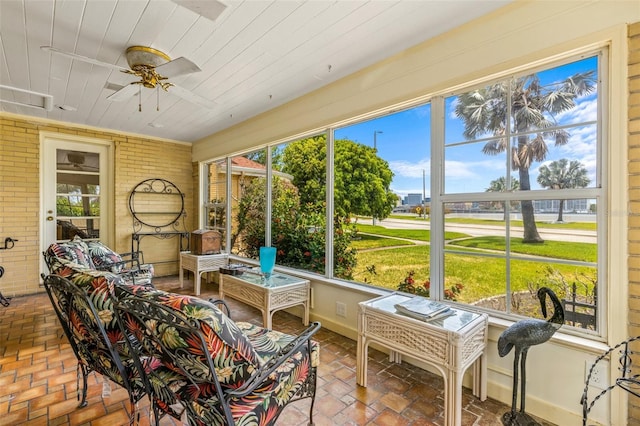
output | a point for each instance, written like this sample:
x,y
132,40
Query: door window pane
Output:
x,y
77,194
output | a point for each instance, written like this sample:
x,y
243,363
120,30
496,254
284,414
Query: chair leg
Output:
x,y
82,369
313,400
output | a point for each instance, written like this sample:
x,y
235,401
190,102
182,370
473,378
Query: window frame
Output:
x,y
601,191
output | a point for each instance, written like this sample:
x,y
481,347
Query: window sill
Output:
x,y
499,324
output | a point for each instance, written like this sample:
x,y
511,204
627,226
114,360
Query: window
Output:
x,y
248,204
512,201
522,187
381,178
215,199
298,219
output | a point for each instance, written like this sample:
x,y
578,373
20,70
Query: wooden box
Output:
x,y
205,241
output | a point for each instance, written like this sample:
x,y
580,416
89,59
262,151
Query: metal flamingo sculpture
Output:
x,y
522,335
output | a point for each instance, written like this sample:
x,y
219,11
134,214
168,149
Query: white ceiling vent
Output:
x,y
209,9
28,98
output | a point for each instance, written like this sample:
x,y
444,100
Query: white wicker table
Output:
x,y
451,345
278,292
198,264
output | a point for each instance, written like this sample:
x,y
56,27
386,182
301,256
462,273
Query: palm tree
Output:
x,y
500,185
532,108
563,175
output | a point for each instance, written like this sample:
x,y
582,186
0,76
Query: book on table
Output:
x,y
423,309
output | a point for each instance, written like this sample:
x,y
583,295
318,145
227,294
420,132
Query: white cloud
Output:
x,y
403,168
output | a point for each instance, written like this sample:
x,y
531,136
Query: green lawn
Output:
x,y
584,252
410,234
481,276
388,265
365,242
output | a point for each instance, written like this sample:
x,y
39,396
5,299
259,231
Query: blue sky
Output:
x,y
405,143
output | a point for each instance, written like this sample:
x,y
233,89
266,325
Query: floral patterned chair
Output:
x,y
216,371
96,255
82,302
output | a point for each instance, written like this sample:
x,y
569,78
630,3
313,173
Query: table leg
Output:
x,y
453,398
361,362
181,276
305,320
197,278
483,376
266,318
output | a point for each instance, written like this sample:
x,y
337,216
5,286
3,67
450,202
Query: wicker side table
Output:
x,y
199,264
451,345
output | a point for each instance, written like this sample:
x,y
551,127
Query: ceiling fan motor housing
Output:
x,y
143,61
142,56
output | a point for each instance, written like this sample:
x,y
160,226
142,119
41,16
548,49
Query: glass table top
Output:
x,y
456,320
254,276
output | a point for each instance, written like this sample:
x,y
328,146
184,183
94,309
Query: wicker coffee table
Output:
x,y
450,344
278,292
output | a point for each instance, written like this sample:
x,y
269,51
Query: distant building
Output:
x,y
412,200
552,206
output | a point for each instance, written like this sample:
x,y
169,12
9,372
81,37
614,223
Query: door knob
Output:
x,y
49,218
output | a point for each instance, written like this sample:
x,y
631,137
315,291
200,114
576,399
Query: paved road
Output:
x,y
475,230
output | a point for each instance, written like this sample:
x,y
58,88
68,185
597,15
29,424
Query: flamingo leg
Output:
x,y
516,357
523,382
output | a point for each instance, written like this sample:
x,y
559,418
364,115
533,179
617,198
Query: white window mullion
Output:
x,y
330,205
268,201
437,207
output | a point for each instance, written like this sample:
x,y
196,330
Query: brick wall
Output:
x,y
136,158
634,200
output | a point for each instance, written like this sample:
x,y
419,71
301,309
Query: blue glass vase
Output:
x,y
267,260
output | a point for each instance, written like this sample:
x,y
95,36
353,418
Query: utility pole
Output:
x,y
375,139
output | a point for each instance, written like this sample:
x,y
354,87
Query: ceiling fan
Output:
x,y
78,161
152,67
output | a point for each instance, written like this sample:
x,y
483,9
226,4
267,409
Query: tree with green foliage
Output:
x,y
533,108
260,157
362,180
562,174
298,230
500,185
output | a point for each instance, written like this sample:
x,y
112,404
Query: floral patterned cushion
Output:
x,y
96,255
102,257
75,250
106,259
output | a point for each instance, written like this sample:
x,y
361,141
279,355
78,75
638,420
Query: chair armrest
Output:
x,y
223,303
130,262
283,355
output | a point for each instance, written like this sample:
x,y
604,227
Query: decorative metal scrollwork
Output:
x,y
629,379
157,207
148,204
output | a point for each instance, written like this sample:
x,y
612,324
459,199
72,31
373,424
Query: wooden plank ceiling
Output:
x,y
254,55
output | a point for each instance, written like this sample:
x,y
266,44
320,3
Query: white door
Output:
x,y
75,189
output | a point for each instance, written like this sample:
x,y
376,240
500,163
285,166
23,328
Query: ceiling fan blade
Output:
x,y
191,97
125,93
82,58
178,66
